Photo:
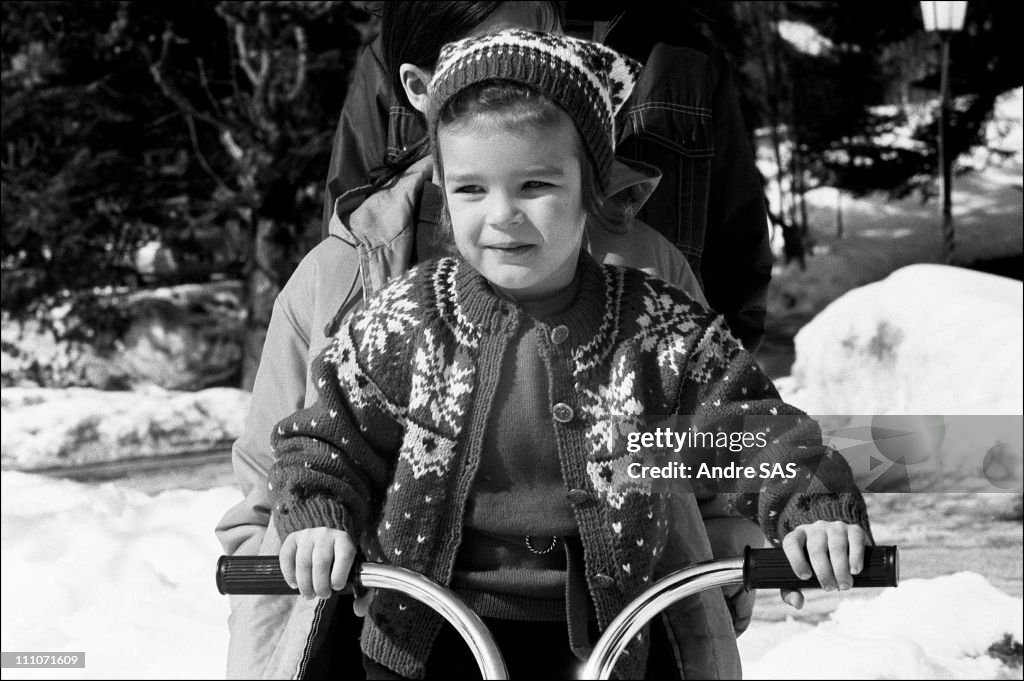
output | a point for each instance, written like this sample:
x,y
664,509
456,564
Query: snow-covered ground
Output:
x,y
125,577
935,628
128,579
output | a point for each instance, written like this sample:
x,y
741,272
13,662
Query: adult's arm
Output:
x,y
278,391
325,282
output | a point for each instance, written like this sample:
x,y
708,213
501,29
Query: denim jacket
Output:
x,y
684,118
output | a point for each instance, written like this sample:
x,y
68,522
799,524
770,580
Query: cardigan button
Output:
x,y
603,581
578,496
559,334
562,412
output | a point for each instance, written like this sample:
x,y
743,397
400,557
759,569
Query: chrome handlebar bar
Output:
x,y
262,575
757,568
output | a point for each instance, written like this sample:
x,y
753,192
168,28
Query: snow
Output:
x,y
124,577
43,427
881,236
928,339
804,37
935,628
129,579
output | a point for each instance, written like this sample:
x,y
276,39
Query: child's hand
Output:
x,y
836,553
317,560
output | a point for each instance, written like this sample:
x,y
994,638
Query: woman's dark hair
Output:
x,y
515,106
413,32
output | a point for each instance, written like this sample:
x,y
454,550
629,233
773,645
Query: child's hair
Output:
x,y
512,105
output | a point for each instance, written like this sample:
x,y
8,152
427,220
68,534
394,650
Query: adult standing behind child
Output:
x,y
424,434
377,233
683,118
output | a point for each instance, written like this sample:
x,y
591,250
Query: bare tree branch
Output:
x,y
171,92
243,52
201,67
300,64
202,158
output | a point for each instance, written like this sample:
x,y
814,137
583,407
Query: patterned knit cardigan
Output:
x,y
390,450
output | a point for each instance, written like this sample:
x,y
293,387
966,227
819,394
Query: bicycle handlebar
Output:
x,y
261,575
762,569
758,568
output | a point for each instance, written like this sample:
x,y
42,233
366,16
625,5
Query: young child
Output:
x,y
463,428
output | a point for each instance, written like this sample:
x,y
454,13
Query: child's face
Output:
x,y
516,204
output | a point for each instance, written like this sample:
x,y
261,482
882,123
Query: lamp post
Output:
x,y
945,17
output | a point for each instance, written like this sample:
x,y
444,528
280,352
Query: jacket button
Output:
x,y
603,581
559,334
562,412
578,496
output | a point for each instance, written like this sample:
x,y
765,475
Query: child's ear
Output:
x,y
414,82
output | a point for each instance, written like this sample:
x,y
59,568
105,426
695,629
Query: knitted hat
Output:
x,y
587,79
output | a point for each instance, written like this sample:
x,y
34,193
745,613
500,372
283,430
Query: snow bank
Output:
x,y
125,577
928,339
41,427
924,629
129,579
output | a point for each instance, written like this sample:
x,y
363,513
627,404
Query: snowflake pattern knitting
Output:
x,y
378,330
613,409
426,451
665,326
441,385
390,450
594,352
712,351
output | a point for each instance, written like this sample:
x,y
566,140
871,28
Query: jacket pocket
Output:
x,y
679,141
687,130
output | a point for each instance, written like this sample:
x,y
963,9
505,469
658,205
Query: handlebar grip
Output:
x,y
769,569
252,575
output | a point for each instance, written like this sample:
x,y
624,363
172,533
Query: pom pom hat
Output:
x,y
586,79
